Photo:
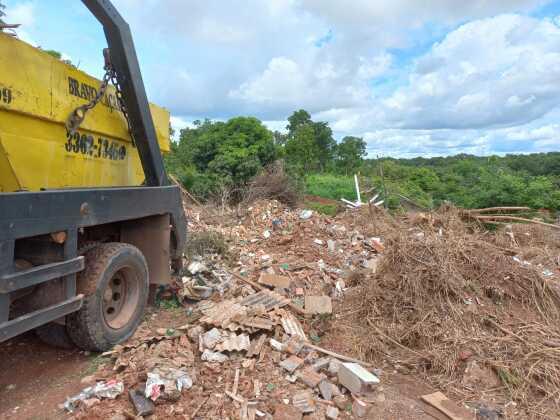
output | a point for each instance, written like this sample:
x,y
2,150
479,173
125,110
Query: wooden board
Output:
x,y
447,407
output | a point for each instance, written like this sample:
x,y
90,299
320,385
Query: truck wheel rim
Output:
x,y
121,298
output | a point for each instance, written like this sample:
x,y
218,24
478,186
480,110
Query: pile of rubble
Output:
x,y
288,325
247,349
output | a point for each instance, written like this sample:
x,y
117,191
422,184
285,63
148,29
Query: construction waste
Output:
x,y
310,316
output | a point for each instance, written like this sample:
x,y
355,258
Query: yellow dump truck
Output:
x,y
88,219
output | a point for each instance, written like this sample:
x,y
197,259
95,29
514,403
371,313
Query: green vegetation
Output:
x,y
328,209
214,156
217,156
330,185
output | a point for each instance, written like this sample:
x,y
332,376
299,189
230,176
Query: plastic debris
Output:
x,y
110,389
305,214
165,380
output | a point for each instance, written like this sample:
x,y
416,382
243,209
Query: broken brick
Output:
x,y
274,280
310,378
286,412
291,363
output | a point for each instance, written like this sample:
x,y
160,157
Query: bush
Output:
x,y
273,183
331,186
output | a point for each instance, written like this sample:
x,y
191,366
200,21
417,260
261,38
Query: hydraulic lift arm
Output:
x,y
125,62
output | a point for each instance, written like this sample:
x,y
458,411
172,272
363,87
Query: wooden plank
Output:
x,y
447,407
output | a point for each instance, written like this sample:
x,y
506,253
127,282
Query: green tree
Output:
x,y
350,153
297,119
213,155
302,149
317,141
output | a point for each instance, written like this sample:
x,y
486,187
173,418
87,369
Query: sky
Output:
x,y
413,78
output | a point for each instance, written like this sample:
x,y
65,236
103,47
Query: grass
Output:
x,y
327,209
331,186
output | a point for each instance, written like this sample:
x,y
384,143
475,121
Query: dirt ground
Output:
x,y
37,378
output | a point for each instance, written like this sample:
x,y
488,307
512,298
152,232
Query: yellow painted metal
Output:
x,y
37,94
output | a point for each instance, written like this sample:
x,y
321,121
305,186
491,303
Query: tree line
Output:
x,y
213,155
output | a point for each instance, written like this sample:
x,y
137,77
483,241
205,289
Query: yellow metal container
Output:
x,y
37,94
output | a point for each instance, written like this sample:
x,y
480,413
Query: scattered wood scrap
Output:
x,y
446,406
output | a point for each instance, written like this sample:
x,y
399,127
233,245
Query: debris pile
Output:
x,y
447,301
301,319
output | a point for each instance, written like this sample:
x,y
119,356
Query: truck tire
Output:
x,y
55,335
115,285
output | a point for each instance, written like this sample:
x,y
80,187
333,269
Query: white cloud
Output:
x,y
370,68
23,14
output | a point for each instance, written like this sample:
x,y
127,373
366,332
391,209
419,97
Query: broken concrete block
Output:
x,y
291,363
326,389
310,378
143,406
355,378
359,408
274,280
211,338
321,364
318,305
304,401
334,366
294,345
276,345
286,412
332,412
213,356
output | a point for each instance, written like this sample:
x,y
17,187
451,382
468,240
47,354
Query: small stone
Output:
x,y
359,408
318,305
326,389
286,412
341,402
310,378
266,234
334,366
332,412
331,245
211,338
321,364
143,406
318,242
291,363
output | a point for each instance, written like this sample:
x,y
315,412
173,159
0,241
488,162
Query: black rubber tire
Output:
x,y
88,327
55,335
